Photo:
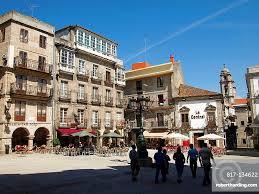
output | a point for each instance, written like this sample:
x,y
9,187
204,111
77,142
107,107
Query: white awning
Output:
x,y
154,135
210,137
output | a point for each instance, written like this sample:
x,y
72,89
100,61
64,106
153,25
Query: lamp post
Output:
x,y
140,105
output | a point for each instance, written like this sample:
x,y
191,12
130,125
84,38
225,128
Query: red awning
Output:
x,y
67,131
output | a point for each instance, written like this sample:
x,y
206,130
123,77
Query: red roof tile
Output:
x,y
240,101
189,91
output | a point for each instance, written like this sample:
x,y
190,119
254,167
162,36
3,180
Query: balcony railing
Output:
x,y
157,124
66,68
96,77
82,98
33,65
96,100
82,123
30,90
65,95
96,124
109,81
109,101
119,103
65,122
108,124
120,82
83,74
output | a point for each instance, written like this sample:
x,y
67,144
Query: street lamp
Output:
x,y
140,105
7,108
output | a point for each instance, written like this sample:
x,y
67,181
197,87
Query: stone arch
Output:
x,y
40,136
20,136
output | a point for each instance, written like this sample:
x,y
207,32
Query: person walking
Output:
x,y
167,159
134,163
193,155
160,164
205,156
179,163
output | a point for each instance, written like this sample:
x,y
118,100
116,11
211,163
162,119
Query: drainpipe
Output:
x,y
54,90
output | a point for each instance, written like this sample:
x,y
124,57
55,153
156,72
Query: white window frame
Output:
x,y
95,93
95,70
63,115
107,118
64,88
95,117
67,59
81,91
80,113
81,66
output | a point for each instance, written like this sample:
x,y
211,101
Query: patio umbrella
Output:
x,y
83,134
112,135
210,137
176,136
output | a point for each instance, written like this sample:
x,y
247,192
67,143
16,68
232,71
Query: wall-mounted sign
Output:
x,y
197,115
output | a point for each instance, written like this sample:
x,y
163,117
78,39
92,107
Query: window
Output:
x,y
107,118
87,40
160,99
24,35
80,36
108,48
139,85
98,45
23,58
41,112
42,86
108,76
118,96
93,42
2,35
21,82
114,50
95,70
95,93
103,46
119,75
211,117
244,141
64,88
160,119
160,82
42,63
108,95
43,41
185,118
63,115
19,110
81,67
118,116
242,123
81,91
80,114
95,117
67,58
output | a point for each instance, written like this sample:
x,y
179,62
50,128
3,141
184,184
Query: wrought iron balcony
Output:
x,y
120,82
109,81
119,103
96,100
109,101
83,74
30,90
66,68
96,77
96,124
64,95
82,98
82,123
32,65
108,124
159,124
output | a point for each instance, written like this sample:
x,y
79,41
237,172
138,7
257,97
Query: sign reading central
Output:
x,y
197,115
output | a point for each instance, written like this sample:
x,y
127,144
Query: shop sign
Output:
x,y
197,115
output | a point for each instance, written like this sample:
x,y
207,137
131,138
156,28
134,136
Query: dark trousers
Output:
x,y
134,169
179,169
193,166
163,172
206,179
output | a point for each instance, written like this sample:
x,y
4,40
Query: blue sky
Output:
x,y
230,37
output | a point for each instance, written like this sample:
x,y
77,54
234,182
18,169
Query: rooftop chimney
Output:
x,y
172,58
